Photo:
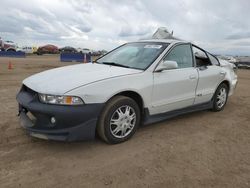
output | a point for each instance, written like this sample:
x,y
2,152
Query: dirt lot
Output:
x,y
202,149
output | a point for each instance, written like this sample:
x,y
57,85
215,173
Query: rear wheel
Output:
x,y
220,97
119,120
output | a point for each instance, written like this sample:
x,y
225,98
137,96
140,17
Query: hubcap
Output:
x,y
122,121
221,97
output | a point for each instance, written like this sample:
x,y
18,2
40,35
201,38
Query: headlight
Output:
x,y
59,99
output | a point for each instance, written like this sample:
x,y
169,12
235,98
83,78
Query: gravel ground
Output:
x,y
202,149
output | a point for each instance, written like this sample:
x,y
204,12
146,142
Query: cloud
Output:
x,y
127,31
245,35
106,23
84,28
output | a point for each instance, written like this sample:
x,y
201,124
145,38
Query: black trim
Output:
x,y
149,119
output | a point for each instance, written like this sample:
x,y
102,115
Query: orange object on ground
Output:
x,y
10,66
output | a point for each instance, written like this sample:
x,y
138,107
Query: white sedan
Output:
x,y
137,83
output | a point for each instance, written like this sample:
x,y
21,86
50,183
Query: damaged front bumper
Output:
x,y
56,122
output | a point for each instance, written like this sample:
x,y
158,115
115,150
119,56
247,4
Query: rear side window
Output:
x,y
201,57
213,60
182,54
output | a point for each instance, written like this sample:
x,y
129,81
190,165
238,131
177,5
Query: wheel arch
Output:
x,y
133,95
100,127
214,107
222,82
227,84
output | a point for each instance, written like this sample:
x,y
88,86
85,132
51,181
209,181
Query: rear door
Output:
x,y
210,75
175,89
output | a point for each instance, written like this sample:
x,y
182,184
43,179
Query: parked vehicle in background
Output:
x,y
8,45
96,53
47,49
231,59
68,49
83,50
99,53
103,52
28,49
243,62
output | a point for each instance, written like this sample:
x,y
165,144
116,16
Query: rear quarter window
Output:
x,y
213,59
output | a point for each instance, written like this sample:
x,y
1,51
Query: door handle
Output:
x,y
192,77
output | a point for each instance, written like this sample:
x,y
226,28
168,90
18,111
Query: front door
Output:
x,y
175,89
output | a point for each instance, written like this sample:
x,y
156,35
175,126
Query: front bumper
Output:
x,y
71,122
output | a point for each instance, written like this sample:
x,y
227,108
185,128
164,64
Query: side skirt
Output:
x,y
149,119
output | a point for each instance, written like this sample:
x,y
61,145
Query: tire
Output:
x,y
125,116
220,97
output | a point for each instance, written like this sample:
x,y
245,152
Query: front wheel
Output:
x,y
220,97
119,120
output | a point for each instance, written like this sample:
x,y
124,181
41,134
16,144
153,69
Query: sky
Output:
x,y
219,26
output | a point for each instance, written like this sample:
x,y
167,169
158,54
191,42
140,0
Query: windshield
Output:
x,y
138,55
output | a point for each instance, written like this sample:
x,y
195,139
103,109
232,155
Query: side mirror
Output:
x,y
166,65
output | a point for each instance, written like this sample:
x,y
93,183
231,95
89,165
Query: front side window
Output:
x,y
138,55
182,54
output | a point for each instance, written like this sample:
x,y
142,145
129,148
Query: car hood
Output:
x,y
61,80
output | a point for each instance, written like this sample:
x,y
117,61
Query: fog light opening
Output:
x,y
53,120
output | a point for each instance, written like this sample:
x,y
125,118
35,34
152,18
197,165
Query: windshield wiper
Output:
x,y
115,64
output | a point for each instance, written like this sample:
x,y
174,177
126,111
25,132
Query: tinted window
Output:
x,y
213,60
182,54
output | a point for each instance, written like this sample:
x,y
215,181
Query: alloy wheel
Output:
x,y
122,121
221,97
